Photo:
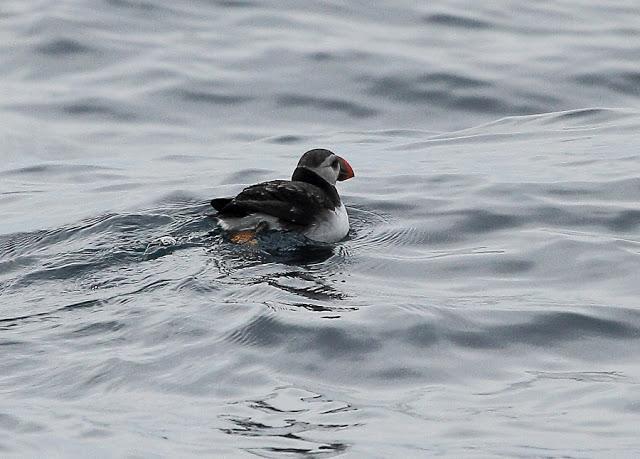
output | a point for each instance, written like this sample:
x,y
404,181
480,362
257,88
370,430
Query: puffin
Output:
x,y
308,204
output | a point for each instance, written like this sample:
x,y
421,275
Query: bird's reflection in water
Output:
x,y
302,272
290,248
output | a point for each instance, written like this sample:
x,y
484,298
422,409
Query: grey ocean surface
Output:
x,y
485,303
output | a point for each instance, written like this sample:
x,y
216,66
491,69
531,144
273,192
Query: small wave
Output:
x,y
329,342
273,415
325,103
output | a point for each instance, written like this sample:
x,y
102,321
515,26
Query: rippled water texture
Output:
x,y
484,304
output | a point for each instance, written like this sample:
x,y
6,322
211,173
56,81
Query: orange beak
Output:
x,y
346,172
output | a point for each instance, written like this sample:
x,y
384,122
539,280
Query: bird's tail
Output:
x,y
220,203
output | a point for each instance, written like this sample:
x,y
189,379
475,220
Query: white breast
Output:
x,y
331,226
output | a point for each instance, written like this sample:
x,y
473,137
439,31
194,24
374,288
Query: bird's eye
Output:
x,y
334,164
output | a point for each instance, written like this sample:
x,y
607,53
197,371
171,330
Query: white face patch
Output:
x,y
326,169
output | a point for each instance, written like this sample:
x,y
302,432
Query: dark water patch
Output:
x,y
134,4
448,90
330,342
623,82
483,222
557,327
571,192
62,47
336,343
485,263
337,56
408,90
399,373
626,220
477,221
263,331
207,97
235,3
327,104
543,330
511,267
490,104
287,139
98,108
59,169
451,80
584,216
98,328
423,335
457,21
11,423
322,56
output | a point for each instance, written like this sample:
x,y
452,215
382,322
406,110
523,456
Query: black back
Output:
x,y
298,201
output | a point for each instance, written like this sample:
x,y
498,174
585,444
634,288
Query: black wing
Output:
x,y
292,201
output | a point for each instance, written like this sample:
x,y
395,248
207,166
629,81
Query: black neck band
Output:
x,y
302,174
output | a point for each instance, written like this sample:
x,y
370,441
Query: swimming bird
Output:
x,y
308,204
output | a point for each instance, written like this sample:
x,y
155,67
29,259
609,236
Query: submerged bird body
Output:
x,y
308,203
